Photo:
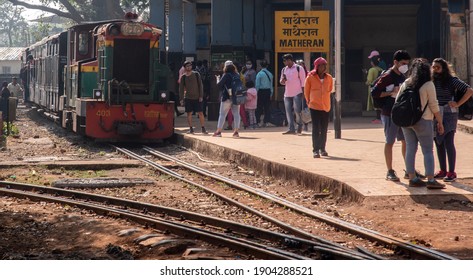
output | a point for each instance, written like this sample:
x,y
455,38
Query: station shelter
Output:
x,y
238,30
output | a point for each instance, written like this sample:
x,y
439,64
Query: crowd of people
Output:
x,y
441,94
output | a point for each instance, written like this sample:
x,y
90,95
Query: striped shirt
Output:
x,y
447,93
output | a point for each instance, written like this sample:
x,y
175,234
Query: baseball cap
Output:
x,y
373,53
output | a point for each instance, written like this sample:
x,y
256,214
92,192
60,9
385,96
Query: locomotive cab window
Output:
x,y
83,43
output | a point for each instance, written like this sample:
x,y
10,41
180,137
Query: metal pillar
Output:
x,y
470,43
307,7
189,29
157,17
221,22
338,70
175,25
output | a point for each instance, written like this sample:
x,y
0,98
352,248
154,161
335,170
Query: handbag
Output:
x,y
305,116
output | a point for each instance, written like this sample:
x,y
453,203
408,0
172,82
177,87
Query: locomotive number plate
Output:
x,y
103,113
132,28
151,114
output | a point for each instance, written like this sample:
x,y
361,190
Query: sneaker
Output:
x,y
376,121
299,130
217,134
323,153
416,182
191,131
440,174
391,176
451,176
316,155
292,132
434,185
418,174
236,135
204,131
180,114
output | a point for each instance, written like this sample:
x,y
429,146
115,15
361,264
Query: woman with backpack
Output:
x,y
420,80
224,85
451,93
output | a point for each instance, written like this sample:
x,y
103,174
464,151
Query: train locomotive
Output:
x,y
102,80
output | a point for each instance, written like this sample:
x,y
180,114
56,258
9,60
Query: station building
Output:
x,y
218,30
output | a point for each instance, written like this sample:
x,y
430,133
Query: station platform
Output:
x,y
355,165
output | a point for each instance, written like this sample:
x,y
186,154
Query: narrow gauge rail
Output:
x,y
388,241
231,234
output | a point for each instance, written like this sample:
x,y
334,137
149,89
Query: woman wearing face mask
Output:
x,y
248,72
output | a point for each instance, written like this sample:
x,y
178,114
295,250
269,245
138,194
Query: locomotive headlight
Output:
x,y
163,97
97,93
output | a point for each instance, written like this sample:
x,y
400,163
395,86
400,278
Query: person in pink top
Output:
x,y
293,78
251,103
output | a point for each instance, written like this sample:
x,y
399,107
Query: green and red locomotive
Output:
x,y
103,80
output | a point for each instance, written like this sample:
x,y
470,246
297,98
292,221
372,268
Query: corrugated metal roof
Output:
x,y
10,53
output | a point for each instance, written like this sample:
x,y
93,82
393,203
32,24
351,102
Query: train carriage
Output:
x,y
104,80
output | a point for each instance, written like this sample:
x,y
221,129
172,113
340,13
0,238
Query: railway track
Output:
x,y
243,238
398,245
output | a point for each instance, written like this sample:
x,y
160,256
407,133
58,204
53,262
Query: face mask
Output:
x,y
403,69
248,66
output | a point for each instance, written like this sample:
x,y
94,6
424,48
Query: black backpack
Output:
x,y
238,91
407,110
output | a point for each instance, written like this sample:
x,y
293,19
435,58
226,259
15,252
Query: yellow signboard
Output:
x,y
302,31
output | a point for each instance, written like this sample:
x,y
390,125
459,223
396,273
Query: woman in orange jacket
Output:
x,y
317,90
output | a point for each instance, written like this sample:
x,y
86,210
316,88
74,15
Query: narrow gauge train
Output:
x,y
102,80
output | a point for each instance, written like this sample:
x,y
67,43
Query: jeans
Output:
x,y
295,103
225,106
422,132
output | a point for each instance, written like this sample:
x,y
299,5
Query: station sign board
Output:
x,y
302,31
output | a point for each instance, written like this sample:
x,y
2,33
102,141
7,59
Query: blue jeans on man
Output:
x,y
293,106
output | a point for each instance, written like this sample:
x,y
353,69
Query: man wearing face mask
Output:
x,y
387,89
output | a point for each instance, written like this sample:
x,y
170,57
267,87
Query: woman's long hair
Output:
x,y
447,71
420,73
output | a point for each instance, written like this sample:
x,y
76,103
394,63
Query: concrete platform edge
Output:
x,y
319,183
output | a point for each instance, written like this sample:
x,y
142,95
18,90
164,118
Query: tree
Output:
x,y
85,10
11,23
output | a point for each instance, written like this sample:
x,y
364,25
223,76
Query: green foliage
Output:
x,y
13,129
12,25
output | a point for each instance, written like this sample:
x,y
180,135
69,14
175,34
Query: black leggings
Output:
x,y
447,149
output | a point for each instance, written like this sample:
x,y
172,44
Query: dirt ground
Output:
x,y
444,224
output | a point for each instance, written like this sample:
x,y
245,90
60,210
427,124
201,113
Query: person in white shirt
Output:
x,y
15,89
293,78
